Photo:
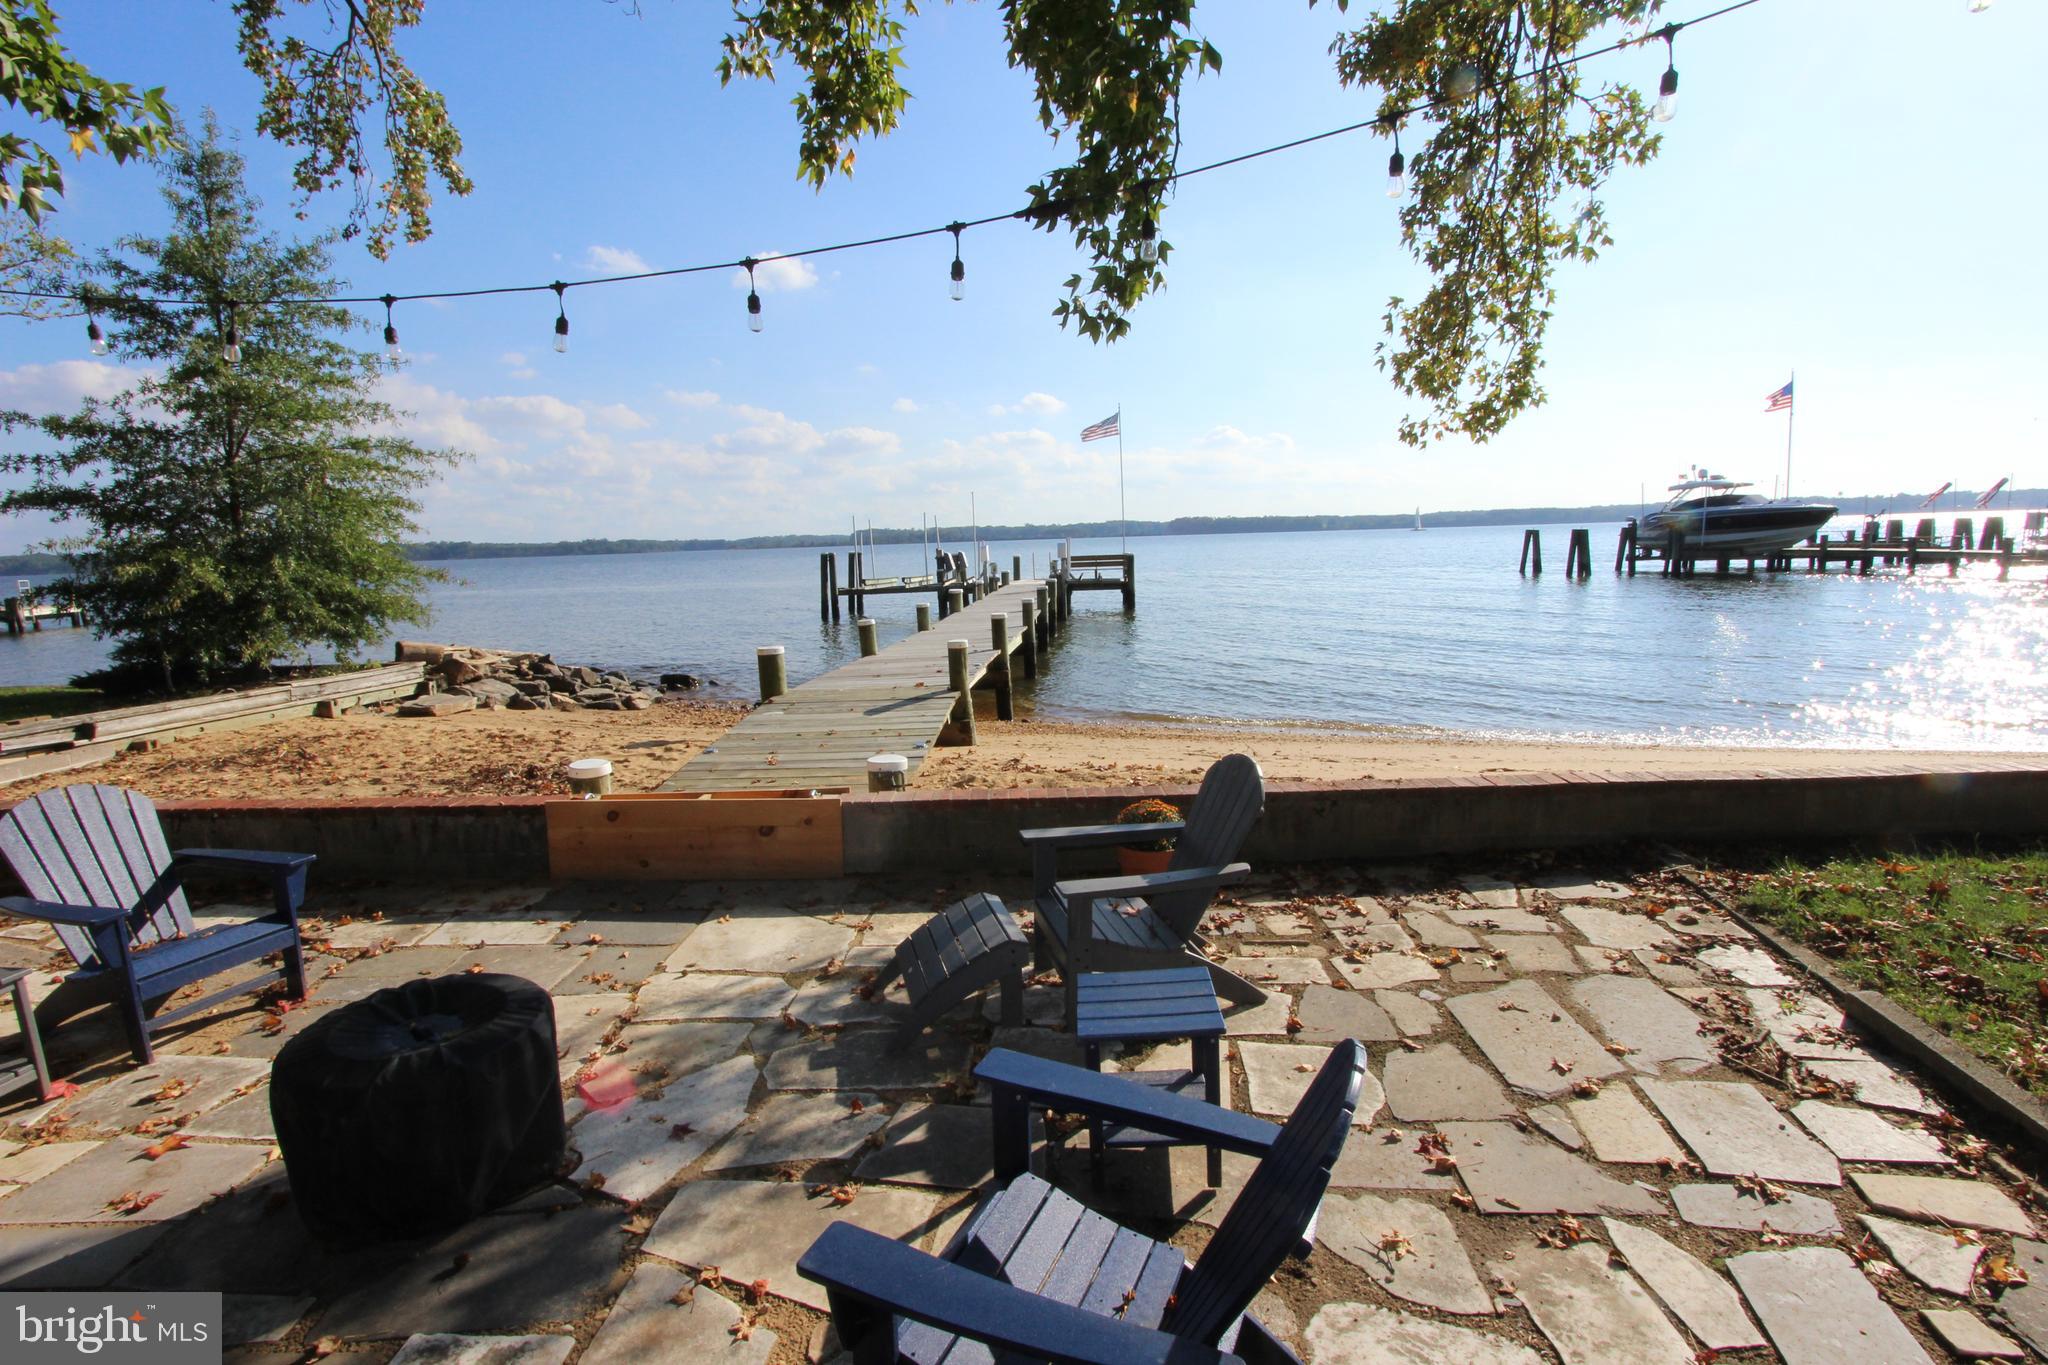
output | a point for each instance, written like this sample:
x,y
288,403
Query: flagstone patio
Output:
x,y
1589,1098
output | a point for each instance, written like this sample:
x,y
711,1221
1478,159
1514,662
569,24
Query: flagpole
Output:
x,y
1123,518
1790,408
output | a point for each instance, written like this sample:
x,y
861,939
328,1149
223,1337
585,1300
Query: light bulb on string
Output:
x,y
231,348
754,319
1667,89
561,319
958,288
1397,170
391,351
1148,241
96,340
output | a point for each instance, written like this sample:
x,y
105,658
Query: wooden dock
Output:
x,y
905,699
1889,547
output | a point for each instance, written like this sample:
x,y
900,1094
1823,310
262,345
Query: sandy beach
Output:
x,y
509,753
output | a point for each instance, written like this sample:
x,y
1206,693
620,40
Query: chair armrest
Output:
x,y
253,859
870,1269
1097,836
85,916
1154,883
1015,1076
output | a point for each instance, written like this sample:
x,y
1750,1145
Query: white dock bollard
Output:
x,y
888,772
590,777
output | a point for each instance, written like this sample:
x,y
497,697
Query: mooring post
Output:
x,y
1994,533
1675,562
1578,558
1912,555
1130,582
962,728
1027,644
868,647
825,586
774,671
924,616
956,598
2005,553
1924,532
1016,567
1624,548
855,574
1532,549
999,667
1964,534
1004,582
1044,616
832,567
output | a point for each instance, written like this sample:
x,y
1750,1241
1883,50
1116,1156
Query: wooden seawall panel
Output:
x,y
821,733
764,834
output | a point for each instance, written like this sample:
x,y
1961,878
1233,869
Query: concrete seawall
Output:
x,y
506,838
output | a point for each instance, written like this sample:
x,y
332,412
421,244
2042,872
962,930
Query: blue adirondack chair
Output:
x,y
95,864
1035,1272
1123,924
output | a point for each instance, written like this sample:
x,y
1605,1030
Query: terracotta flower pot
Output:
x,y
1138,861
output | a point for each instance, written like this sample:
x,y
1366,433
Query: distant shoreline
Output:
x,y
1896,504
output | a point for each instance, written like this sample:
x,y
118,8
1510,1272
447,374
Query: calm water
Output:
x,y
1366,629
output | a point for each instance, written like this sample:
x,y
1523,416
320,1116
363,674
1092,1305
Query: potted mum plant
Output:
x,y
1146,855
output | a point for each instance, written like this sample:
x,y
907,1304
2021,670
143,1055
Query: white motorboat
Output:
x,y
1718,520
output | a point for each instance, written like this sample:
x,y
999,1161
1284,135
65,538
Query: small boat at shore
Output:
x,y
1716,519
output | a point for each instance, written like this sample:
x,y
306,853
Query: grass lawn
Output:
x,y
1960,940
20,703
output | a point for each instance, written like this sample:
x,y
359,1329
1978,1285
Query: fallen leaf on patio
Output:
x,y
1303,1066
743,1330
855,1105
1761,1188
132,1202
684,1297
1462,1200
453,1268
758,1290
2000,1270
1395,1245
709,1275
1561,1067
1620,1049
681,1131
167,1146
1585,1087
62,1090
594,939
1130,1297
171,1090
474,968
1774,1238
324,1347
841,1195
725,919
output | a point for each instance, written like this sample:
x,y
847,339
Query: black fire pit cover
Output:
x,y
417,1108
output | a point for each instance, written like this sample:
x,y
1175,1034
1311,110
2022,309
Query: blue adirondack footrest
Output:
x,y
956,953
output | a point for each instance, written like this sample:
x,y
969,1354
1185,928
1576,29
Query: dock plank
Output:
x,y
821,733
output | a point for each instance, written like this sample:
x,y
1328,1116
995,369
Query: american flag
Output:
x,y
1106,427
1780,400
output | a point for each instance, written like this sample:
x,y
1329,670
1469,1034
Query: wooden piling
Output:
x,y
1819,562
1912,555
956,600
868,645
924,616
856,573
1016,567
1130,582
774,670
1994,533
1578,556
999,667
825,586
1028,644
1924,532
1532,549
832,567
962,727
1044,617
1964,534
1624,549
2005,555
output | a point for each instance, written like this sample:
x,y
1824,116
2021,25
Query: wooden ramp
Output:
x,y
822,733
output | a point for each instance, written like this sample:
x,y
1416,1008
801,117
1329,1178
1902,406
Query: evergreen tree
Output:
x,y
233,511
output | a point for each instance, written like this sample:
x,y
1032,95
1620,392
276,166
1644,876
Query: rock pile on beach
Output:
x,y
463,677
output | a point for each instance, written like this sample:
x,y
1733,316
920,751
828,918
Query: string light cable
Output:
x,y
1461,82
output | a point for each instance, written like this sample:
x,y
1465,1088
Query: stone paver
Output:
x,y
1859,1135
1580,888
1280,971
469,931
639,1146
438,1348
1621,1129
1409,1248
1386,1159
1877,1085
1509,1171
1820,1310
1500,920
1360,1334
189,1085
1803,1024
1966,1335
1960,1203
837,1001
753,1230
249,1318
499,1274
1415,1018
1278,1074
949,1146
71,1257
705,995
1724,1206
30,1164
1531,1040
2025,1308
865,1061
1593,1312
1734,1130
1435,931
1661,966
1750,966
657,1054
1657,1028
1604,928
1707,1304
1557,1126
648,1326
1934,1256
1441,1083
182,1180
1378,971
756,941
801,1128
1330,1015
1524,954
247,1118
653,929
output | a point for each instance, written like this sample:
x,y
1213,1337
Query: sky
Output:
x,y
1851,191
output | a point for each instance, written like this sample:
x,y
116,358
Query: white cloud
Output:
x,y
904,405
691,398
530,412
615,260
1036,403
773,272
59,387
767,430
620,416
517,363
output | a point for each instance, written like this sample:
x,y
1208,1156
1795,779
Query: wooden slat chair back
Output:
x,y
1276,1207
1228,803
95,845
